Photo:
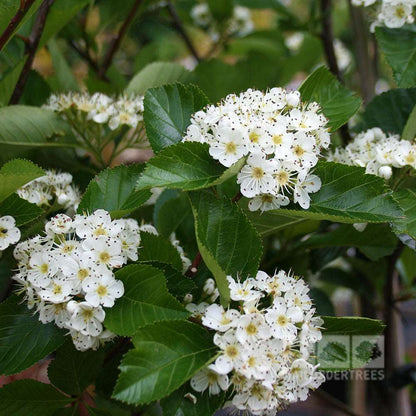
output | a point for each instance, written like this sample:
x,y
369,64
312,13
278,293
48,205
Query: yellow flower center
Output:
x,y
266,198
230,147
400,12
282,320
82,274
57,289
87,314
277,139
258,173
299,151
104,257
44,268
282,178
254,137
101,291
251,329
3,232
231,351
99,231
410,158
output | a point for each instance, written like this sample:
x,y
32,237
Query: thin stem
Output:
x,y
34,39
366,65
181,30
327,37
390,396
16,20
193,268
115,44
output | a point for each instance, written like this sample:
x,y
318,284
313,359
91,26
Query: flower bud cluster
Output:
x,y
9,233
265,345
68,274
389,13
99,108
239,24
280,136
377,152
53,188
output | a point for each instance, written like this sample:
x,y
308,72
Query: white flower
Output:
x,y
231,352
99,224
267,202
43,267
230,145
104,290
57,291
305,186
105,251
9,233
251,328
243,291
256,176
283,320
209,378
59,224
217,318
85,318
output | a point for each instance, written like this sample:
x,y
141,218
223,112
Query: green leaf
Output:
x,y
146,300
171,210
113,190
22,125
73,371
407,200
167,354
8,81
337,102
399,48
409,131
30,397
322,302
227,241
347,195
389,111
157,74
186,165
24,340
21,210
221,10
160,249
351,326
375,241
178,404
65,78
167,112
15,174
60,14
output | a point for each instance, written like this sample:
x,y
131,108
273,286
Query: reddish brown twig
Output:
x,y
115,44
14,23
34,39
177,23
193,268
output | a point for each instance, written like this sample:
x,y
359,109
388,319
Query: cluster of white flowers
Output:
x,y
100,108
265,351
9,233
377,152
389,13
68,273
53,188
240,23
281,137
